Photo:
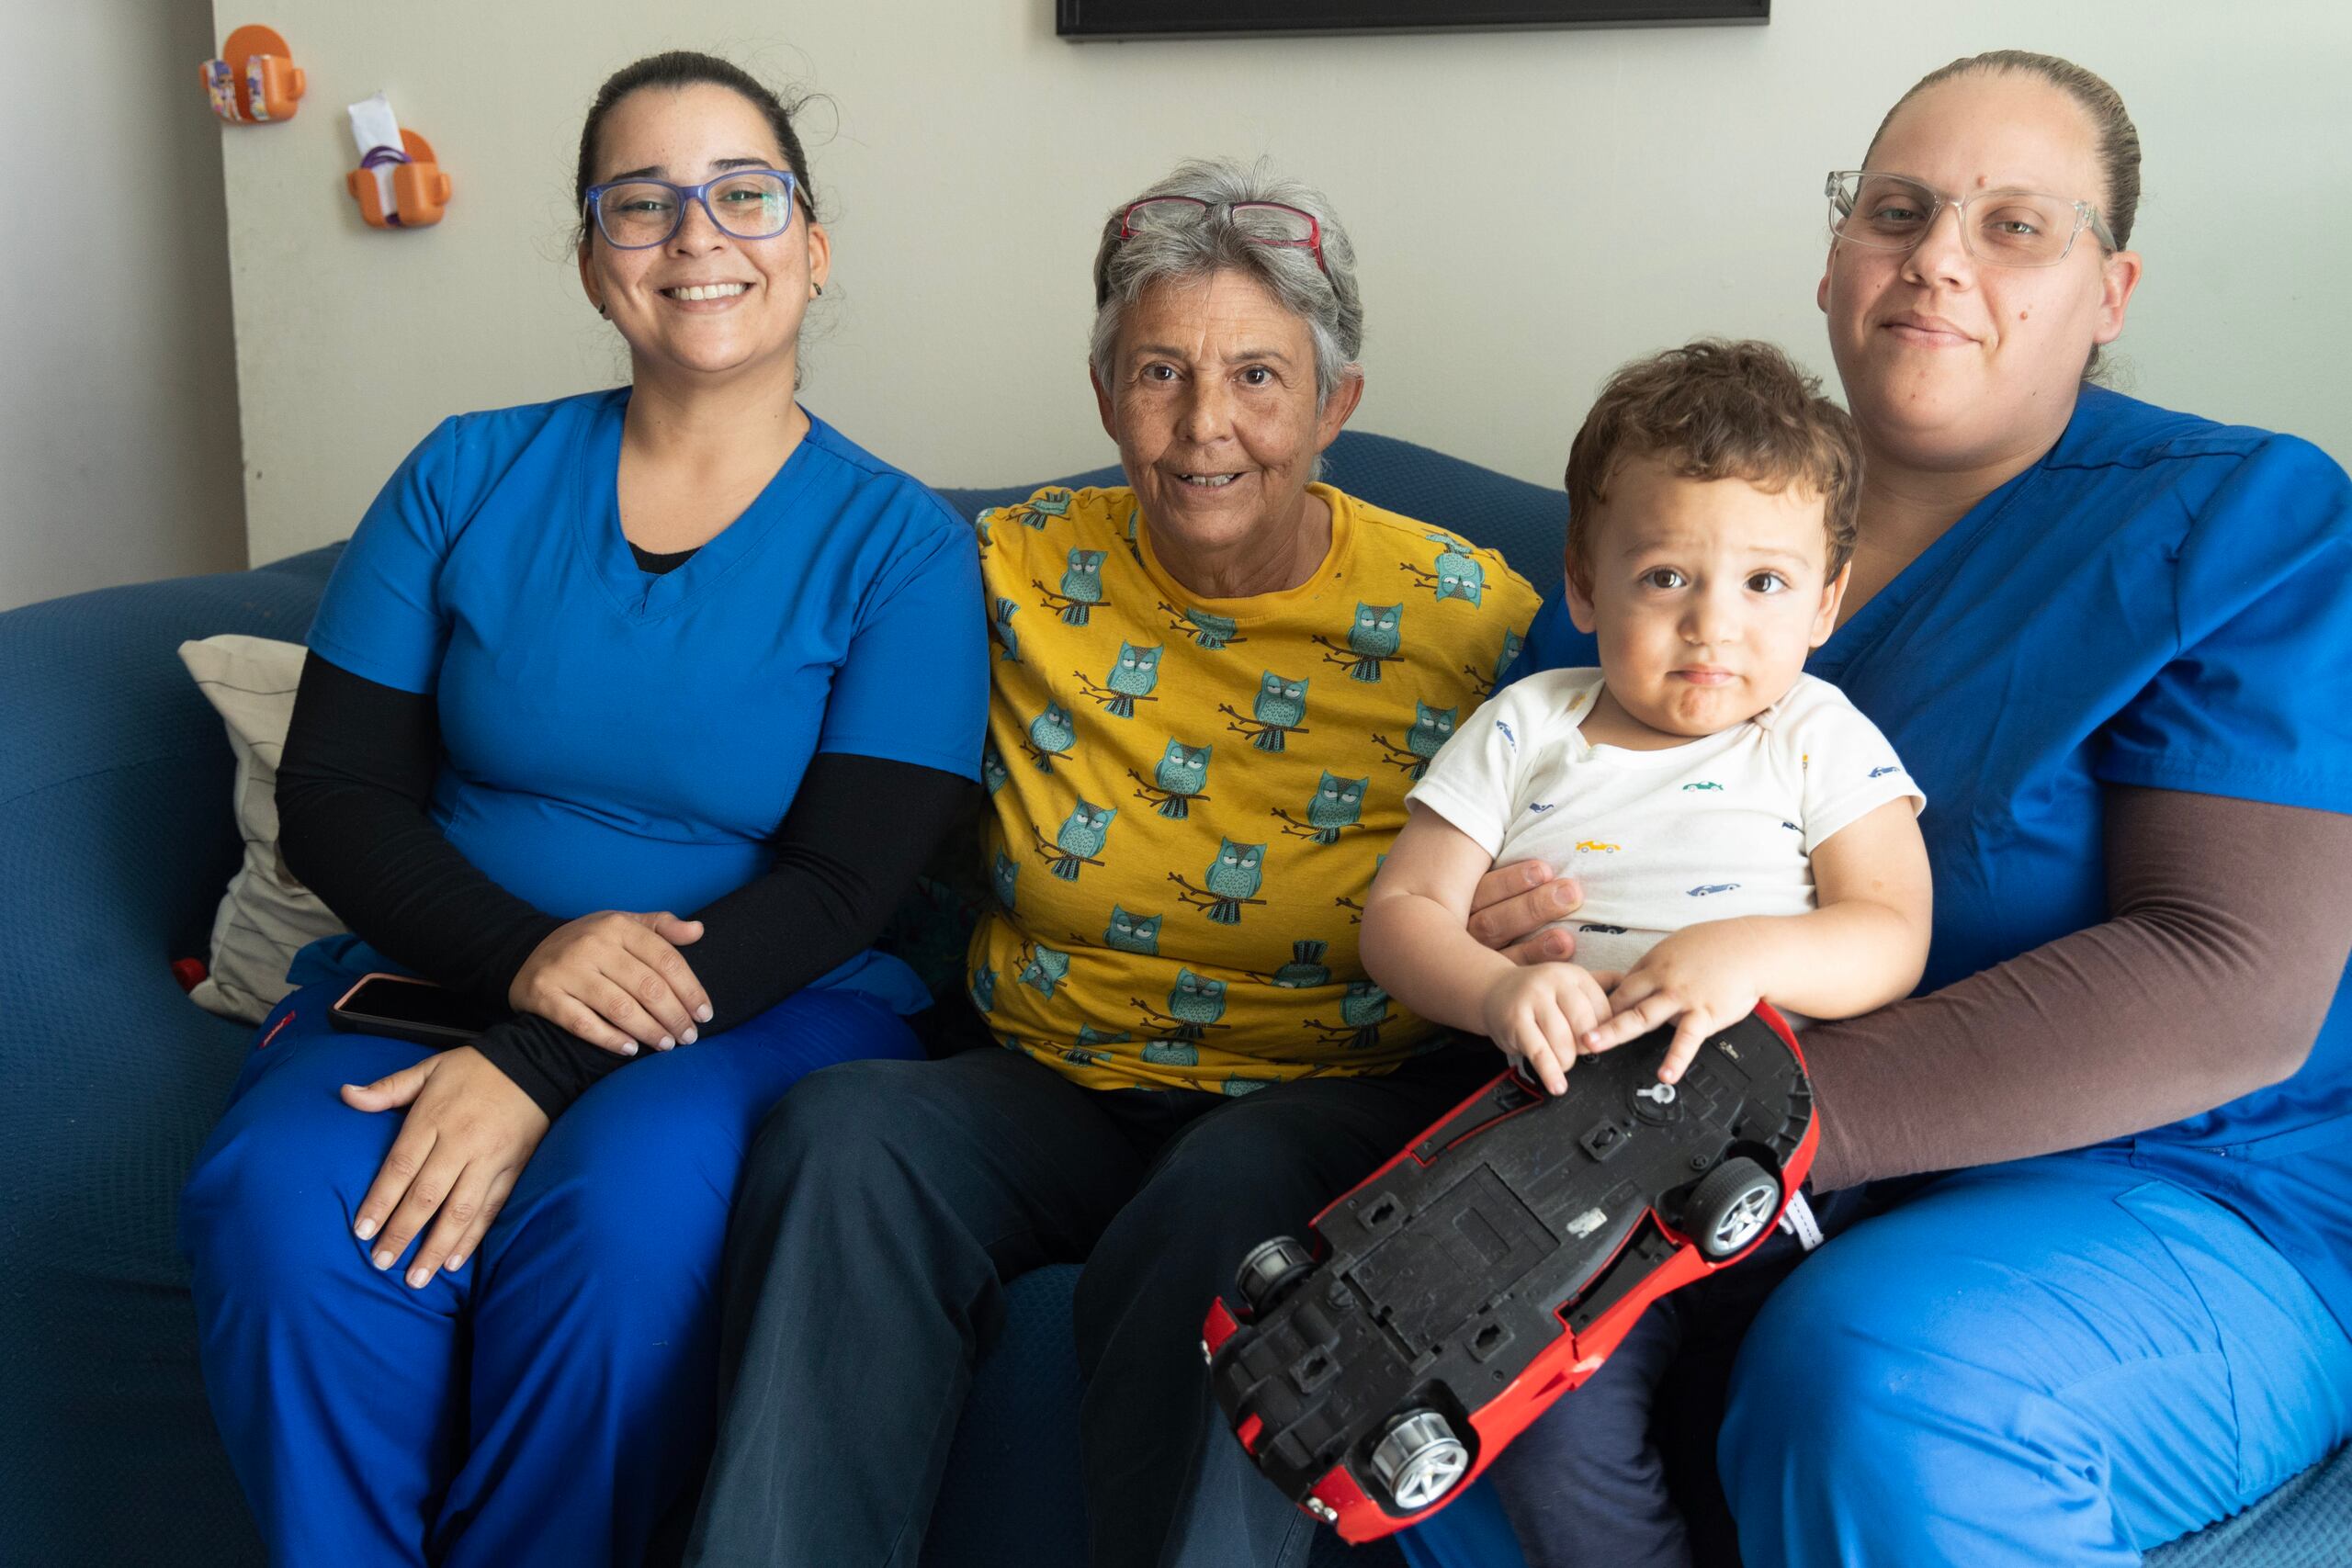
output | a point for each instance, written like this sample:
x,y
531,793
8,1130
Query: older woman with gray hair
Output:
x,y
1214,684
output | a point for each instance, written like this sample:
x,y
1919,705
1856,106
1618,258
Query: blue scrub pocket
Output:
x,y
2334,1134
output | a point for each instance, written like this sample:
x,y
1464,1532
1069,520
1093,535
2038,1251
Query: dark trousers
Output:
x,y
884,1204
1620,1473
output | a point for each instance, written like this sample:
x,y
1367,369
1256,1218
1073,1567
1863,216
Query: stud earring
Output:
x,y
816,291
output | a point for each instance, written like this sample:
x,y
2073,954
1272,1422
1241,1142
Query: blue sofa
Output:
x,y
116,840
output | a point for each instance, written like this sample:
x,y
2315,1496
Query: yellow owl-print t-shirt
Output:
x,y
1188,796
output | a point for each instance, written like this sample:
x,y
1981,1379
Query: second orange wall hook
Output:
x,y
420,190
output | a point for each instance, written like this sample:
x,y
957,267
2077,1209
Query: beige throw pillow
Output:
x,y
267,916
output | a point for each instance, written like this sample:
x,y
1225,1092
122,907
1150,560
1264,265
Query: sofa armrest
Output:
x,y
93,681
116,838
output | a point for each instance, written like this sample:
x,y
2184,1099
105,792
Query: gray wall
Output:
x,y
118,455
1530,208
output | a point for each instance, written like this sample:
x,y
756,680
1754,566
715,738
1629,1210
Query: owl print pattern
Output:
x,y
1176,908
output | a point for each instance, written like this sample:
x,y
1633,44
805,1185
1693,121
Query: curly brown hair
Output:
x,y
1716,409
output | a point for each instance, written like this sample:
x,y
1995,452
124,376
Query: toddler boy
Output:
x,y
1742,833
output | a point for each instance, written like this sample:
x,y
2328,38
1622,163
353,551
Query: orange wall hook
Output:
x,y
419,189
255,81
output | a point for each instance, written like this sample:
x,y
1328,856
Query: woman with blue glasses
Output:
x,y
603,710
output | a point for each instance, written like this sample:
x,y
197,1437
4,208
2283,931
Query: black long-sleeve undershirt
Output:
x,y
353,788
352,791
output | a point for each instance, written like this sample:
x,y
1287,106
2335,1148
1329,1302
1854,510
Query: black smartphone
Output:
x,y
410,1008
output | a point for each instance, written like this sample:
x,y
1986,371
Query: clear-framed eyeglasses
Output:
x,y
1260,222
1999,227
750,203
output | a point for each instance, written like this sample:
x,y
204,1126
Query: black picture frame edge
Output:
x,y
1085,21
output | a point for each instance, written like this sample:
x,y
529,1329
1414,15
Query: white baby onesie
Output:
x,y
1722,826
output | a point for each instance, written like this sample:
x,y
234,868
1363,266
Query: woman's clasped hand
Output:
x,y
616,979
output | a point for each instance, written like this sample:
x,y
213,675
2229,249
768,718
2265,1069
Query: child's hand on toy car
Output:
x,y
1538,1013
1703,976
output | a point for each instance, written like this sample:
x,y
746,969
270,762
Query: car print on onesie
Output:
x,y
1453,1294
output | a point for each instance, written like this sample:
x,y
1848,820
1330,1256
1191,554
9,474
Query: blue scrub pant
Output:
x,y
551,1402
2055,1361
2058,1360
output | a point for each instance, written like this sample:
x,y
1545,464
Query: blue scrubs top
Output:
x,y
620,740
2161,602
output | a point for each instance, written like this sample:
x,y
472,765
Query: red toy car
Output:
x,y
1461,1283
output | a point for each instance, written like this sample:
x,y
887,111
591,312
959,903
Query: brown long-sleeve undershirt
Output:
x,y
2230,924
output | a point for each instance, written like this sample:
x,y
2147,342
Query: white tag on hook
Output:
x,y
378,136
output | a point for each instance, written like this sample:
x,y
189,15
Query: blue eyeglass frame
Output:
x,y
593,200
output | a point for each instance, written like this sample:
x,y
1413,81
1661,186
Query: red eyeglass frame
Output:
x,y
1312,243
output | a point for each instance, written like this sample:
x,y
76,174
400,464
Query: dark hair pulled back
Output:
x,y
2117,139
685,68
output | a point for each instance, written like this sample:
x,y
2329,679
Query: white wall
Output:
x,y
118,389
1530,208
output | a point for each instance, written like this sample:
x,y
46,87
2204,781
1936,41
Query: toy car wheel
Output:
x,y
1730,1207
1419,1458
1271,1271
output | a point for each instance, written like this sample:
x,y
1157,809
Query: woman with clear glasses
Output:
x,y
603,707
2114,644
1216,682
